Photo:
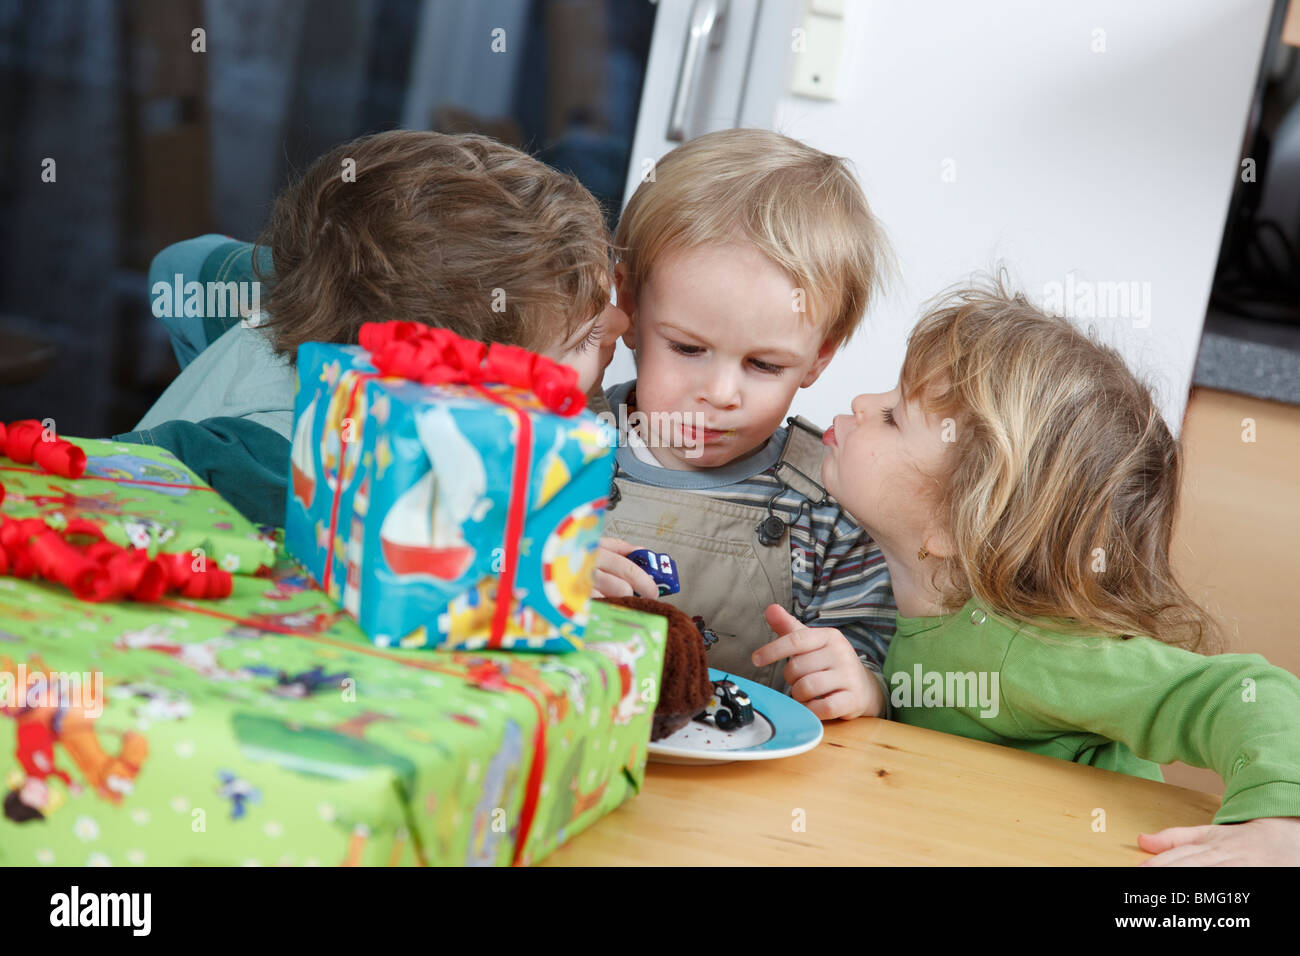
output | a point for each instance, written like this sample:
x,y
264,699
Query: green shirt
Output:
x,y
1110,702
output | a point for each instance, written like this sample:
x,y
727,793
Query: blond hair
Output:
x,y
460,232
801,208
1062,489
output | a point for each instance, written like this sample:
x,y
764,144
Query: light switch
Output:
x,y
817,61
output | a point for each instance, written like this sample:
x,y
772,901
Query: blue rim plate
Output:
x,y
782,727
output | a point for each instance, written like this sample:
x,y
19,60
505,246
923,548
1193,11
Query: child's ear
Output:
x,y
627,304
938,542
824,356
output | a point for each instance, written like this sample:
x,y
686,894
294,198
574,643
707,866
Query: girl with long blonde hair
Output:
x,y
1023,487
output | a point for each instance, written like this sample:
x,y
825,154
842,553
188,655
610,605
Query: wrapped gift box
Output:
x,y
400,499
142,497
265,729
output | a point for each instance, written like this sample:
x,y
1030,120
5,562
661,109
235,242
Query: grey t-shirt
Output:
x,y
237,376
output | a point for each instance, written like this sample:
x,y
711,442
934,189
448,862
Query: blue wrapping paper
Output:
x,y
418,498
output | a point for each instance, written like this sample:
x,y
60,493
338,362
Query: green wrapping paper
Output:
x,y
142,497
265,729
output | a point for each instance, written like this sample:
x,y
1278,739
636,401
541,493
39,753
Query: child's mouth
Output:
x,y
697,435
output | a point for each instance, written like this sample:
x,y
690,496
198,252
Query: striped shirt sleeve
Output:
x,y
841,581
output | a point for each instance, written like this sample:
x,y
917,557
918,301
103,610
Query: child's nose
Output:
x,y
615,322
720,388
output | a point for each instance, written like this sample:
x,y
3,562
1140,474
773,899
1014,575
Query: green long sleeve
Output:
x,y
1112,703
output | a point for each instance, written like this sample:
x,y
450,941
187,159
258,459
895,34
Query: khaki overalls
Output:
x,y
729,570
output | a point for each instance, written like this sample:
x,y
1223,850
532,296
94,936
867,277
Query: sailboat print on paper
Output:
x,y
423,532
303,462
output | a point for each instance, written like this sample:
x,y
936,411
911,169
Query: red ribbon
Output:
x,y
99,570
433,356
78,557
25,442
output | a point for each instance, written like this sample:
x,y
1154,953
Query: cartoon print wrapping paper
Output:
x,y
265,729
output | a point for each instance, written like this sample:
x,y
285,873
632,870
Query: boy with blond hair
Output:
x,y
745,264
459,232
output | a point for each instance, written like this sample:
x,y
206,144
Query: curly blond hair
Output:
x,y
1061,494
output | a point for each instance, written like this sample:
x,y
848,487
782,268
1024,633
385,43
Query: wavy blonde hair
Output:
x,y
430,227
801,208
1060,451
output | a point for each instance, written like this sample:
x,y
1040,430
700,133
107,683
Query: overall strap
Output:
x,y
799,466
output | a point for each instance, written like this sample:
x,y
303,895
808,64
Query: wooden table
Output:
x,y
874,792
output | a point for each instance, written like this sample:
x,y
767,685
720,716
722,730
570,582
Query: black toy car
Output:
x,y
730,707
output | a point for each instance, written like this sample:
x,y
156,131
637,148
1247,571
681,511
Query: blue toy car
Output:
x,y
660,567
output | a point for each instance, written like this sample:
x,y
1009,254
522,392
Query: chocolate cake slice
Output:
x,y
685,689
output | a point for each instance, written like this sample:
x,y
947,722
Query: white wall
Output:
x,y
1116,165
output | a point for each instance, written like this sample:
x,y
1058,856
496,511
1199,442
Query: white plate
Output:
x,y
782,727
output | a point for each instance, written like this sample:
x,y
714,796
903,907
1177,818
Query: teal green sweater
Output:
x,y
1113,703
247,463
229,413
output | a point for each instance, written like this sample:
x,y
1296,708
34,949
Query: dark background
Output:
x,y
154,143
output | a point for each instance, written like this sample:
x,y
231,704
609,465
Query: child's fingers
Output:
x,y
617,545
1194,855
802,641
801,665
1171,837
611,566
607,585
780,620
838,704
820,684
1176,846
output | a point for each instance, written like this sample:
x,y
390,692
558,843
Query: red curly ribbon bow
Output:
x,y
26,441
99,570
78,557
438,357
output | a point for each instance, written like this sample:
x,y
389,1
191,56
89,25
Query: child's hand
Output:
x,y
1270,841
823,672
616,576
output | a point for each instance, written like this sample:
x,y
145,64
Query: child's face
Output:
x,y
883,464
720,353
589,350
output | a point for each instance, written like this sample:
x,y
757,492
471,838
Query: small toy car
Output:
x,y
660,567
730,707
